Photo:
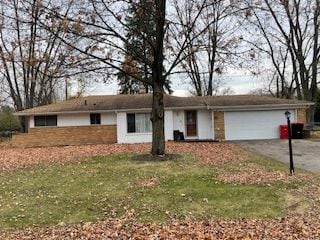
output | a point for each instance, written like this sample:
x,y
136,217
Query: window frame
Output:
x,y
95,118
46,119
133,114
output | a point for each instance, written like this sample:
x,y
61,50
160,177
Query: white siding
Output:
x,y
205,124
80,119
124,137
69,120
31,122
108,119
178,120
248,125
168,125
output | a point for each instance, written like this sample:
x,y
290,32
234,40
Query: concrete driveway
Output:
x,y
306,153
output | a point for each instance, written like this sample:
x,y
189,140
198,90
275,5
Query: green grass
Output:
x,y
102,187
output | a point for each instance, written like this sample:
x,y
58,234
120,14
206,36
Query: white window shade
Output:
x,y
141,121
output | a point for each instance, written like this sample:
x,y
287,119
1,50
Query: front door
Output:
x,y
191,123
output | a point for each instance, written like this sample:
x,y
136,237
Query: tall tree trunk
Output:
x,y
157,118
23,124
158,139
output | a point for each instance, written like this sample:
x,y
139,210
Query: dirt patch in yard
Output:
x,y
149,157
208,153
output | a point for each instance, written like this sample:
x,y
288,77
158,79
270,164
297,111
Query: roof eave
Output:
x,y
62,112
261,107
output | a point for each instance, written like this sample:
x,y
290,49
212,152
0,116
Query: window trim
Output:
x,y
196,124
135,132
45,120
97,121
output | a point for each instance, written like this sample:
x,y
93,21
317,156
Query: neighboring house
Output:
x,y
126,119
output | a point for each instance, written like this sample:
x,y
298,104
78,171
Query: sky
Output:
x,y
240,84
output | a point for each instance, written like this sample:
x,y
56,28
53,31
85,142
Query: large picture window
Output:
x,y
138,122
45,121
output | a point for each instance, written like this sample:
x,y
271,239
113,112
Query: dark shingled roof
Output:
x,y
144,101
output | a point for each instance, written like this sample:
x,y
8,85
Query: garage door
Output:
x,y
254,124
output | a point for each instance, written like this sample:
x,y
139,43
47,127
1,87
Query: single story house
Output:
x,y
126,119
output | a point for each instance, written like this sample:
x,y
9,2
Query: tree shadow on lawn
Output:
x,y
152,158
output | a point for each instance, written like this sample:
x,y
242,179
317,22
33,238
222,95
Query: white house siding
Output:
x,y
204,123
81,119
168,125
178,120
246,125
205,130
69,120
31,122
124,137
108,119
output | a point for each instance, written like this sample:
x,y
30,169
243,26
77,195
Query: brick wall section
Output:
x,y
218,124
59,136
302,115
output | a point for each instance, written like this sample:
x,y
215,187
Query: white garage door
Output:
x,y
254,124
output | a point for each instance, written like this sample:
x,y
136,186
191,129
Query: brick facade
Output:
x,y
218,123
59,136
302,115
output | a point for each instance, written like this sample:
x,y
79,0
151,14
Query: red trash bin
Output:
x,y
284,132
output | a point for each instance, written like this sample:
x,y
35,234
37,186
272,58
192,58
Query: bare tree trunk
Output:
x,y
157,118
158,138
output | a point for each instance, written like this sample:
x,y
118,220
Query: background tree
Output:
x,y
141,20
34,62
8,122
287,32
214,50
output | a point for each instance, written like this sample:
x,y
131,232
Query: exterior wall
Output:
x,y
108,119
302,115
178,120
59,136
124,137
219,127
168,125
82,119
68,120
205,123
31,122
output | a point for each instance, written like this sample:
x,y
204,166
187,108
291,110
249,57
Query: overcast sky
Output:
x,y
240,84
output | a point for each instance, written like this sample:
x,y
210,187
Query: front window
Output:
x,y
138,122
45,121
95,118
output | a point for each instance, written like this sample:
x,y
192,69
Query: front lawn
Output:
x,y
98,188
